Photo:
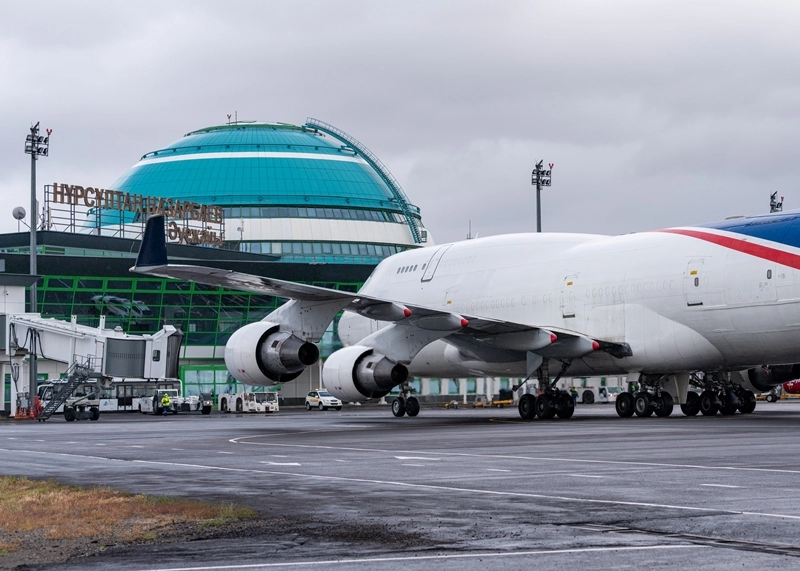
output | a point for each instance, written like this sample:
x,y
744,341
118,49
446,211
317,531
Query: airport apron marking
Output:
x,y
427,557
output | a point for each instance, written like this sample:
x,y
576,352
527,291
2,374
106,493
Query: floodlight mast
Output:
x,y
540,177
774,205
35,146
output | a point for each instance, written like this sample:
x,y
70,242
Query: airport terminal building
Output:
x,y
305,203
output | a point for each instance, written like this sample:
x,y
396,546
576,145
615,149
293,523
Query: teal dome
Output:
x,y
259,164
306,194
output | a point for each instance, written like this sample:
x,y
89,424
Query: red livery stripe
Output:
x,y
757,250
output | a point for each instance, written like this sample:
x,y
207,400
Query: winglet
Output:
x,y
153,250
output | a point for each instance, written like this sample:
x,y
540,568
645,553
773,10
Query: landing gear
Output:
x,y
565,405
709,403
642,405
721,394
552,401
650,399
747,402
527,407
405,403
692,405
398,407
624,405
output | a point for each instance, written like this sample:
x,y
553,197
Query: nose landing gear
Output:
x,y
405,403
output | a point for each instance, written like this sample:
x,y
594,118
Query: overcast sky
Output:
x,y
655,113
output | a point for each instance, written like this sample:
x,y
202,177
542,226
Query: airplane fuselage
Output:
x,y
690,299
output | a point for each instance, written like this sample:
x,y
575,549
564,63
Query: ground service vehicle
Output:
x,y
249,402
322,400
592,395
83,405
714,306
153,403
206,402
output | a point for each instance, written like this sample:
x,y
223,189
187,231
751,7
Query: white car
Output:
x,y
613,393
322,400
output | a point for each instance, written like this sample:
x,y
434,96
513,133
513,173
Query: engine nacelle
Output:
x,y
764,379
356,374
261,354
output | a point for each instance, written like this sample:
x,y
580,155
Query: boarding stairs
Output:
x,y
78,373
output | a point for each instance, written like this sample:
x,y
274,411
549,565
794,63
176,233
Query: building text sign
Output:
x,y
210,218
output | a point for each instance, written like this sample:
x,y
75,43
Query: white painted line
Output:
x,y
282,463
100,443
432,487
11,438
345,461
177,448
222,452
136,446
278,456
373,560
415,465
496,470
415,458
538,459
582,476
719,486
38,440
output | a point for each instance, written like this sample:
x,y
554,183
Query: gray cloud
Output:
x,y
655,113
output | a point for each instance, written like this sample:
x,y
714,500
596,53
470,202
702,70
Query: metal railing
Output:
x,y
411,212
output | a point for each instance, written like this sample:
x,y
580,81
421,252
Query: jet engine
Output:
x,y
357,373
763,379
261,354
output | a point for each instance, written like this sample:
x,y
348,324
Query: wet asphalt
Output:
x,y
466,488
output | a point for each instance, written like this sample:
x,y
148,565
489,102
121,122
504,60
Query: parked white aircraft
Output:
x,y
714,306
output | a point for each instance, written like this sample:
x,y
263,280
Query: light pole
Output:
x,y
36,146
540,177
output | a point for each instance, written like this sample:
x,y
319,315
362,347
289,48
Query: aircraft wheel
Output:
x,y
730,403
565,405
692,405
398,407
709,403
545,407
412,406
624,405
666,405
527,407
747,402
642,405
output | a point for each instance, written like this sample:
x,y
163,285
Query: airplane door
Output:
x,y
568,296
693,283
430,269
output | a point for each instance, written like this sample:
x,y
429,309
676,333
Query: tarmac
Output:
x,y
472,489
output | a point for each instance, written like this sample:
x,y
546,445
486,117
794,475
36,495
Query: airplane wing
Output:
x,y
545,341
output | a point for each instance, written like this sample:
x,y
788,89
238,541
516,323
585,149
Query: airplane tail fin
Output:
x,y
153,250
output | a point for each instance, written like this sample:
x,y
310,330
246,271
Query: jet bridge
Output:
x,y
102,353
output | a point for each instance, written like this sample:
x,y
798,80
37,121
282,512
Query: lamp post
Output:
x,y
36,146
540,177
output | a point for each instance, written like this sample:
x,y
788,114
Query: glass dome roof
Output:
x,y
259,164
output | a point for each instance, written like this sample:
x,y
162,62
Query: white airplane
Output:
x,y
716,307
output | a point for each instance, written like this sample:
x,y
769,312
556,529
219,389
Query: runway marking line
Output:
x,y
416,458
282,463
719,486
240,439
433,487
415,465
583,476
496,470
427,557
